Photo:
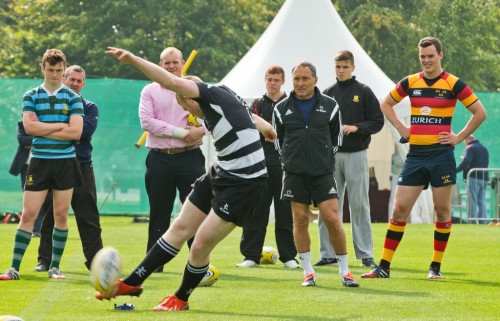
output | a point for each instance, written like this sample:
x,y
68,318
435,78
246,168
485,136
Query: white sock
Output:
x,y
343,268
305,258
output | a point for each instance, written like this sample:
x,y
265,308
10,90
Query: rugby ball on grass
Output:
x,y
210,277
105,269
269,255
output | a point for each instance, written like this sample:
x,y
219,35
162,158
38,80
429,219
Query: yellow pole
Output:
x,y
141,140
190,59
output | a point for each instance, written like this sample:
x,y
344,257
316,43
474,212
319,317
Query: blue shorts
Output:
x,y
437,167
308,189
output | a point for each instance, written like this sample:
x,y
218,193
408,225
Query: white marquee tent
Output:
x,y
313,31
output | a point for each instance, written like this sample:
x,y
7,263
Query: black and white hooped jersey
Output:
x,y
236,139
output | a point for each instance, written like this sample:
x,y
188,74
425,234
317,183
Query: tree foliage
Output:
x,y
224,30
389,31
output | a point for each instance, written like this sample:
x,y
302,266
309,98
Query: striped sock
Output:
x,y
441,235
21,242
395,233
190,280
59,238
160,254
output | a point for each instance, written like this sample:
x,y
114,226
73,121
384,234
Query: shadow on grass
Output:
x,y
368,291
228,276
43,277
448,277
281,316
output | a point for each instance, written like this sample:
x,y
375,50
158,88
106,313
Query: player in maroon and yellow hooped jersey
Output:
x,y
433,95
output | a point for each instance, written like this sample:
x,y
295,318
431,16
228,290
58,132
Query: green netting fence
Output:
x,y
116,159
114,154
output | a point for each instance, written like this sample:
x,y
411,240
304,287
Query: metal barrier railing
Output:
x,y
478,181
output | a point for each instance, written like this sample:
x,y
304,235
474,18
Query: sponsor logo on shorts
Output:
x,y
332,190
288,193
225,209
30,180
445,179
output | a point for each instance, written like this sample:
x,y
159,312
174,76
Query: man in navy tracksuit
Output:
x,y
308,126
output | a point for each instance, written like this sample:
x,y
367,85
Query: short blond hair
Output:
x,y
170,50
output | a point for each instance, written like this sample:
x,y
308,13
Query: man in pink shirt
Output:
x,y
175,159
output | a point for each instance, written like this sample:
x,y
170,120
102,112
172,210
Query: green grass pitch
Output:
x,y
470,289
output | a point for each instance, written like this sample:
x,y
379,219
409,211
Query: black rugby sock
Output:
x,y
190,280
160,254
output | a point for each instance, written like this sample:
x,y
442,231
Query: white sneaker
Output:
x,y
292,264
247,264
56,274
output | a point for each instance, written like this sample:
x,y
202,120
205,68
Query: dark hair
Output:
x,y
53,57
308,65
344,55
429,41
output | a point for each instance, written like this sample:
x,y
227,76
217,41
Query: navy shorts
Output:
x,y
308,189
59,174
437,167
232,199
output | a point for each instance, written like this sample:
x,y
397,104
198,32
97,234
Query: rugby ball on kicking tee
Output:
x,y
105,269
269,255
210,277
10,318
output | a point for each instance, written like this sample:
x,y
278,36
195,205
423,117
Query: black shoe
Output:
x,y
368,263
41,267
434,273
326,262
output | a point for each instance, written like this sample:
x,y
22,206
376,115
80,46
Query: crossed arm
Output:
x,y
58,131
